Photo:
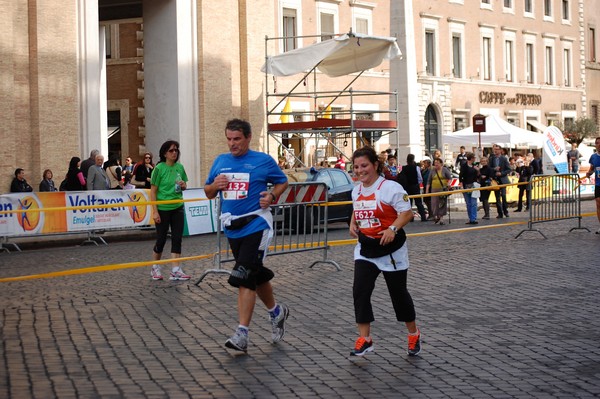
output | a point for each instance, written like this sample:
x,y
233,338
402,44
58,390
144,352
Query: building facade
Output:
x,y
591,58
124,76
522,60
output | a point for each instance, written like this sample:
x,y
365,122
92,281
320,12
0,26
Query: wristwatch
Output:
x,y
394,229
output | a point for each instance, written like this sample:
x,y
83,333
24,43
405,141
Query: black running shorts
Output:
x,y
249,252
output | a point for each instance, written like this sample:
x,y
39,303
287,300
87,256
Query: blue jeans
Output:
x,y
471,206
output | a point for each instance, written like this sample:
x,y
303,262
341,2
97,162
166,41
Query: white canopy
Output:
x,y
498,131
335,57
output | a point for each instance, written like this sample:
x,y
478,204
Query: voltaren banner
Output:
x,y
96,210
106,217
34,222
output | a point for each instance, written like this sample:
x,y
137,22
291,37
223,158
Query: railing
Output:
x,y
299,225
554,197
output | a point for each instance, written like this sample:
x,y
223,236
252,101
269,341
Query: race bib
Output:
x,y
238,186
364,214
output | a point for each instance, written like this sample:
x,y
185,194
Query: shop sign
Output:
x,y
495,97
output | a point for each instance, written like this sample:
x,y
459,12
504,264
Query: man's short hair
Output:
x,y
239,125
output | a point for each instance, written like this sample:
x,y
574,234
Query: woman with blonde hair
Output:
x,y
438,182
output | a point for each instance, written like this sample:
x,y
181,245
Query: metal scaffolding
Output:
x,y
331,128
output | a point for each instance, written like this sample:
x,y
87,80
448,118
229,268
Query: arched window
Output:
x,y
431,130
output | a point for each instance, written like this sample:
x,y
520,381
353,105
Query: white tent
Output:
x,y
339,56
498,131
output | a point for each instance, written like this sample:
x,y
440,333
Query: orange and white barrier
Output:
x,y
303,193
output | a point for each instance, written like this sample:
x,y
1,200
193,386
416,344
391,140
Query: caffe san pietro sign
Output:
x,y
496,97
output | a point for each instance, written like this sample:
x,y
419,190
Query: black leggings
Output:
x,y
365,274
174,219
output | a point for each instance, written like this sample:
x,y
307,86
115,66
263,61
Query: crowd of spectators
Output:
x,y
92,174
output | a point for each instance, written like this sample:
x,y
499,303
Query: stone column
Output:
x,y
403,79
171,80
92,80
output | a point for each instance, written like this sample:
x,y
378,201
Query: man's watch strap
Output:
x,y
394,229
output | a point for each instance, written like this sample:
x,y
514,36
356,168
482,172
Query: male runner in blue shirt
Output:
x,y
595,170
240,177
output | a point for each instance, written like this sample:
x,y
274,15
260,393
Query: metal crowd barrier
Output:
x,y
554,197
299,225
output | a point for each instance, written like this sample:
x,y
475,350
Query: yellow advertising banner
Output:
x,y
23,214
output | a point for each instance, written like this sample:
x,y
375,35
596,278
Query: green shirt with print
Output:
x,y
164,177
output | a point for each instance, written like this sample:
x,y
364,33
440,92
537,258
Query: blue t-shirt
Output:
x,y
595,165
248,176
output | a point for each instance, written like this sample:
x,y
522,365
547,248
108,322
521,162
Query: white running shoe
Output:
x,y
179,275
156,273
238,341
278,323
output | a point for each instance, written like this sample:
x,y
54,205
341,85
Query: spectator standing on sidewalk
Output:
x,y
380,211
595,170
392,164
142,171
87,163
74,180
461,158
168,182
499,164
340,163
425,171
524,170
47,184
485,180
19,184
536,164
128,167
96,177
413,180
240,178
573,158
468,175
438,182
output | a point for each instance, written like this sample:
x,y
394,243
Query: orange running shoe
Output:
x,y
414,344
361,347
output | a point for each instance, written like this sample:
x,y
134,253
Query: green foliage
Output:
x,y
582,128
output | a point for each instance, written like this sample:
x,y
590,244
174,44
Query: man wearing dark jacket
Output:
x,y
501,168
410,178
85,165
19,184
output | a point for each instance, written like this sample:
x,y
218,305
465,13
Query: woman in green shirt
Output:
x,y
167,183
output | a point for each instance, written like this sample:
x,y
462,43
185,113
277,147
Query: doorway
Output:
x,y
432,136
